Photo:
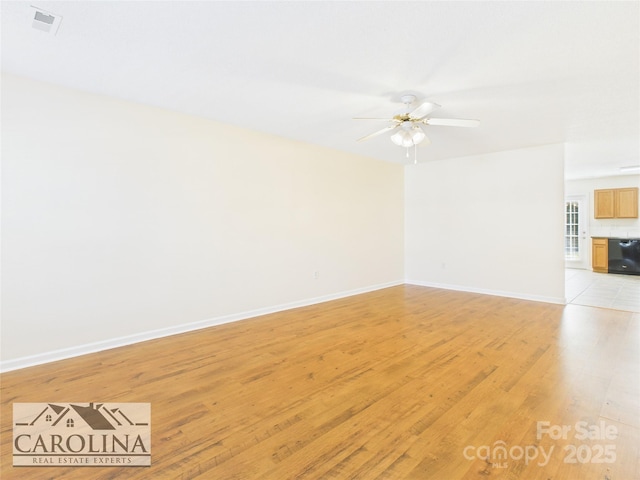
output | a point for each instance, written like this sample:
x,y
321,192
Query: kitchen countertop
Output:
x,y
615,238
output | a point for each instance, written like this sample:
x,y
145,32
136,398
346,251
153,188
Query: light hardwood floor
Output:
x,y
402,383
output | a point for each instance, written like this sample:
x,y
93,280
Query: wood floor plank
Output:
x,y
392,384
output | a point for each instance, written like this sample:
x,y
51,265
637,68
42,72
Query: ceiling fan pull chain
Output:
x,y
407,152
415,154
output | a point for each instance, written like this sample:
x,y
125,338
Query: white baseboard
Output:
x,y
497,293
76,351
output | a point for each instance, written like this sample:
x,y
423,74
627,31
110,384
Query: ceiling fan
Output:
x,y
409,123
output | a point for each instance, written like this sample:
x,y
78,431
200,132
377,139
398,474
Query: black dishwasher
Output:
x,y
624,255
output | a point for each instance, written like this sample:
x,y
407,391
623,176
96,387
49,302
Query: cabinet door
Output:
x,y
604,203
600,255
626,202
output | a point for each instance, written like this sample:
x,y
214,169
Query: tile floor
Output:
x,y
607,290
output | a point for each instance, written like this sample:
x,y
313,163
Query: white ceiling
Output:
x,y
533,72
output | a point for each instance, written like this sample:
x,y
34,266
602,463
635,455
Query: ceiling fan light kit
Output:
x,y
408,124
409,135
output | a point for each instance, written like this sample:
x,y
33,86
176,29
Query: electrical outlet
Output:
x,y
316,275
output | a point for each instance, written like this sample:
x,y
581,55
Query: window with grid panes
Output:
x,y
571,231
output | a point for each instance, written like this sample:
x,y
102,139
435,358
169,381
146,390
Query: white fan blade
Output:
x,y
379,132
375,118
452,122
423,110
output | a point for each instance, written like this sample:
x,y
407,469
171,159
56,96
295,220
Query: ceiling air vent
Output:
x,y
45,21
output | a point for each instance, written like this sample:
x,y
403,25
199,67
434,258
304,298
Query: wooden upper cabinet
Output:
x,y
604,203
616,203
626,201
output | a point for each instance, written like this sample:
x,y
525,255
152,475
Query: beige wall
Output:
x,y
121,219
488,223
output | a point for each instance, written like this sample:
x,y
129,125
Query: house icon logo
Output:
x,y
87,434
96,416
